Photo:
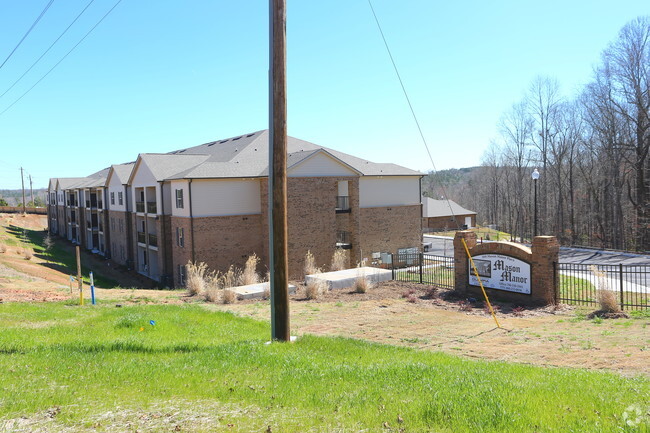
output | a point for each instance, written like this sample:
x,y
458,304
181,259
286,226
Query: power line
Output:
x,y
28,32
408,100
63,58
50,47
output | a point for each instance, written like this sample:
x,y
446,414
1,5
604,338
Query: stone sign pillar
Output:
x,y
508,271
546,251
461,266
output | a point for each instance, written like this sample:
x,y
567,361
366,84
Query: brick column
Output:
x,y
460,259
545,251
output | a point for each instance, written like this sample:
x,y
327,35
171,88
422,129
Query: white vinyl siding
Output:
x,y
225,197
381,191
319,165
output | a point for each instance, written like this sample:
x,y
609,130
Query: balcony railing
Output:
x,y
142,238
151,207
342,204
343,240
153,240
139,206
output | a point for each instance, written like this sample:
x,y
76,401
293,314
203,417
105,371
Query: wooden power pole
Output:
x,y
278,256
22,181
31,190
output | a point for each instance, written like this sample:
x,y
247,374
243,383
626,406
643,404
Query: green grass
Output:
x,y
90,361
582,291
441,275
58,256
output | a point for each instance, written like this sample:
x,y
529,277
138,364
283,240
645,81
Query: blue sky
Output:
x,y
161,75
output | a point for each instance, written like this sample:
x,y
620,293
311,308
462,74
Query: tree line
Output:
x,y
591,151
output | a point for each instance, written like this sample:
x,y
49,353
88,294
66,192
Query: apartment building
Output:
x,y
209,203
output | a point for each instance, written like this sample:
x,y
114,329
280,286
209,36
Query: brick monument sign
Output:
x,y
508,271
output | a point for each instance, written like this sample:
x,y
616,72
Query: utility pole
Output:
x,y
31,190
278,245
22,180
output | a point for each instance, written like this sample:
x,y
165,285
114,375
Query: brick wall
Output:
x,y
389,228
448,223
544,252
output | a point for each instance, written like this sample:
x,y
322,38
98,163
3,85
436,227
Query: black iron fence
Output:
x,y
579,284
419,268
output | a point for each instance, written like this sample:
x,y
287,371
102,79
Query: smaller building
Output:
x,y
441,215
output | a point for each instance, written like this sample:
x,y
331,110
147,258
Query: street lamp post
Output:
x,y
535,176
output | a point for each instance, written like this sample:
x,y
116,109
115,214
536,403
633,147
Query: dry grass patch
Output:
x,y
196,277
3,248
28,253
250,275
314,289
362,284
310,267
340,260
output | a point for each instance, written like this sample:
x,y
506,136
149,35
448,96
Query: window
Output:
x,y
122,255
179,199
112,198
113,229
121,225
120,198
180,237
181,275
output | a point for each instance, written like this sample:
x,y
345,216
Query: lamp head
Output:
x,y
535,174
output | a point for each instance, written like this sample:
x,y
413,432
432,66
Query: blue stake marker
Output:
x,y
92,289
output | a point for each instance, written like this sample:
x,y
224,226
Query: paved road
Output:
x,y
442,246
635,279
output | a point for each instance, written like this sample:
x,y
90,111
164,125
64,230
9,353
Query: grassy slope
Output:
x,y
92,360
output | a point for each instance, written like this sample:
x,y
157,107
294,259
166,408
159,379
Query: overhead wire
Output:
x,y
63,58
49,48
424,141
28,32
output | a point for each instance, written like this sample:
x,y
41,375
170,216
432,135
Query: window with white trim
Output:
x,y
179,199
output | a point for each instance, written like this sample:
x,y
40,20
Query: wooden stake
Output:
x,y
79,278
278,256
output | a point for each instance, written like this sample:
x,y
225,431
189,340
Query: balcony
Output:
x,y
151,207
139,206
343,204
343,240
142,238
153,240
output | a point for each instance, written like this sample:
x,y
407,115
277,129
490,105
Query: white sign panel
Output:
x,y
501,272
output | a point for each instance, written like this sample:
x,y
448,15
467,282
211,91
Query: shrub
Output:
x,y
228,296
431,292
310,264
409,292
340,260
196,277
48,242
362,284
249,275
315,289
230,278
464,306
606,297
28,254
211,294
411,298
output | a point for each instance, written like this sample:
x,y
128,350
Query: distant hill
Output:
x,y
14,197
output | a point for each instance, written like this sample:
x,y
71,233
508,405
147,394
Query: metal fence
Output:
x,y
578,284
419,268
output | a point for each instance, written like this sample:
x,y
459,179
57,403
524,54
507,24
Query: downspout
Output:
x,y
191,220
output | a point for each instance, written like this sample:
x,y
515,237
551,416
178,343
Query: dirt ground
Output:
x,y
395,313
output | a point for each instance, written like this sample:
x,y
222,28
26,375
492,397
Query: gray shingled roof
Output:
x,y
432,208
123,171
247,156
165,166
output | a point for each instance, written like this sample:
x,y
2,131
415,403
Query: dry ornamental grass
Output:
x,y
315,289
340,260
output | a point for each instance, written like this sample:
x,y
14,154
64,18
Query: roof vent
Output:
x,y
250,135
212,144
223,141
181,151
237,138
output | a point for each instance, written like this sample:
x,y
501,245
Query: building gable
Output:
x,y
320,164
